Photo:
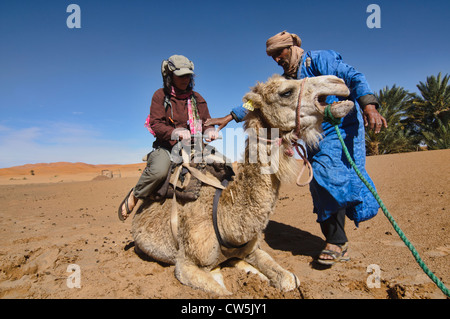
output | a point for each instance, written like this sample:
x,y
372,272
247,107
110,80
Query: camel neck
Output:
x,y
247,202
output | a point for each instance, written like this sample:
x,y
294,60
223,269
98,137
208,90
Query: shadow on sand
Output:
x,y
284,237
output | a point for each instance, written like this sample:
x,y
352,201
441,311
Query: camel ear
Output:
x,y
252,100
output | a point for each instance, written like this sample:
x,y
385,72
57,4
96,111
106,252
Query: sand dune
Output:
x,y
63,172
64,168
62,216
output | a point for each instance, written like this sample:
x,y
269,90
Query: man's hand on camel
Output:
x,y
221,121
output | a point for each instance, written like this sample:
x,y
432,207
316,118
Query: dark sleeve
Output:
x,y
368,99
158,120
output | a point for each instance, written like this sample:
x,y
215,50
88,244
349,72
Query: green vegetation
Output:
x,y
415,121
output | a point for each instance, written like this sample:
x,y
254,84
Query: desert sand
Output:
x,y
66,213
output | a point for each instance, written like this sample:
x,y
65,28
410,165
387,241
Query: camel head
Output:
x,y
276,101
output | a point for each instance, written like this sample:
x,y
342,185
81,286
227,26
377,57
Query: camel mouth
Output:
x,y
321,100
321,104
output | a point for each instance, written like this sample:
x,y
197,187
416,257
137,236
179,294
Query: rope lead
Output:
x,y
332,120
328,116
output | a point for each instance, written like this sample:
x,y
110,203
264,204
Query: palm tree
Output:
x,y
430,111
439,139
396,138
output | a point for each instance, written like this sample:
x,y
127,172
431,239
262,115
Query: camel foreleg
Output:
x,y
277,275
201,278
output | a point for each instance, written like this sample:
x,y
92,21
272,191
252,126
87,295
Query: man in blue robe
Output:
x,y
336,189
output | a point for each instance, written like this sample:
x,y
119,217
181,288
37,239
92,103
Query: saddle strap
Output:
x,y
174,212
210,180
207,179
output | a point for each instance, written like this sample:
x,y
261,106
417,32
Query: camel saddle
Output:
x,y
186,178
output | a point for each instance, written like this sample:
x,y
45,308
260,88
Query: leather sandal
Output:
x,y
336,256
125,201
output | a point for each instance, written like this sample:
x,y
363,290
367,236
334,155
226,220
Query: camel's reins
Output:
x,y
278,141
306,163
328,117
296,145
299,104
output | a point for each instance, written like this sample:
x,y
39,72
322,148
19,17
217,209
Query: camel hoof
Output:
x,y
217,276
290,282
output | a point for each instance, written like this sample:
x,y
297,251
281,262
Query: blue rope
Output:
x,y
328,117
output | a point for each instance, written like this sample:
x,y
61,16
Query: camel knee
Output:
x,y
277,275
193,276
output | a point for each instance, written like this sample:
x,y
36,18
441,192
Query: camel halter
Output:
x,y
301,151
299,103
306,163
298,146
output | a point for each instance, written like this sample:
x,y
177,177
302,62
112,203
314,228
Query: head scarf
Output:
x,y
179,65
286,40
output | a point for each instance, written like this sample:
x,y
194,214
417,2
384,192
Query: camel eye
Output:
x,y
286,93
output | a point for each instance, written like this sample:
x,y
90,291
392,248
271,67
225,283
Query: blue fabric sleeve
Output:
x,y
238,113
329,62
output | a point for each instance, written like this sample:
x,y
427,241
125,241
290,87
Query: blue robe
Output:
x,y
335,184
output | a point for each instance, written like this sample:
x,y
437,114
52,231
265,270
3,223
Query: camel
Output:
x,y
296,109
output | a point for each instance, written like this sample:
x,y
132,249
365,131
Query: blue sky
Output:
x,y
82,95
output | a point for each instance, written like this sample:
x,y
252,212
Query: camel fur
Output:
x,y
248,201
